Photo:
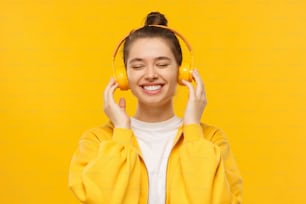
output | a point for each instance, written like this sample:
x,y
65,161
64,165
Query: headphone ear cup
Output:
x,y
121,78
185,73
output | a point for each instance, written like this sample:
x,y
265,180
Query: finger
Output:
x,y
190,87
122,103
200,90
109,90
197,78
110,83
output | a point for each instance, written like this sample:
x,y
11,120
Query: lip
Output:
x,y
152,92
151,84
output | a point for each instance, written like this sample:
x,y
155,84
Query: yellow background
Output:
x,y
55,60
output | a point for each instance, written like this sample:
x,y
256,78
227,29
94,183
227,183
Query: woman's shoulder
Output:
x,y
101,132
213,133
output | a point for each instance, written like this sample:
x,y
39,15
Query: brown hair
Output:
x,y
147,31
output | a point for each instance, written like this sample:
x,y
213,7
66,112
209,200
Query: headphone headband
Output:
x,y
176,33
159,26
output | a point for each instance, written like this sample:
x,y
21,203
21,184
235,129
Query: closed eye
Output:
x,y
137,66
162,65
162,62
136,63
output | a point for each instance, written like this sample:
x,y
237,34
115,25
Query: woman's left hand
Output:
x,y
197,100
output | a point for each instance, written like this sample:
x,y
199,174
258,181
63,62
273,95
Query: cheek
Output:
x,y
129,75
173,76
132,76
173,79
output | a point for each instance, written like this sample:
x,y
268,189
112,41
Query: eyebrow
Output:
x,y
135,60
140,59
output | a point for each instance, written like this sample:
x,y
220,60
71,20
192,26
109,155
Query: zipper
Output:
x,y
177,138
143,162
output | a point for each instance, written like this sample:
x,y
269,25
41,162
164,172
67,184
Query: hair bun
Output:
x,y
156,18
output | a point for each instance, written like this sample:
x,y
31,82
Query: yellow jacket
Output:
x,y
107,168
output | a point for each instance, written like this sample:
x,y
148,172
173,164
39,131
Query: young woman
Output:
x,y
154,156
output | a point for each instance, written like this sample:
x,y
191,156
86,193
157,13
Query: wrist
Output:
x,y
190,122
126,125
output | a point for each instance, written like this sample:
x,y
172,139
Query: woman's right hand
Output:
x,y
115,112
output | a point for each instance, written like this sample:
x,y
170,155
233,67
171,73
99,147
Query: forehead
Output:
x,y
149,47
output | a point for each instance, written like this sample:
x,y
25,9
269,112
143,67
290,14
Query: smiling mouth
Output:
x,y
152,87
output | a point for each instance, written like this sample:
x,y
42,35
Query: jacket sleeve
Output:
x,y
102,168
218,138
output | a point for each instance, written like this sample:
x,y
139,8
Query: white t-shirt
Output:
x,y
156,141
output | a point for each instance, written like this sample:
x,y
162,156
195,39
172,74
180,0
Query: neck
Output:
x,y
149,113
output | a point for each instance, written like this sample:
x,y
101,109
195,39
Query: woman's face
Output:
x,y
152,71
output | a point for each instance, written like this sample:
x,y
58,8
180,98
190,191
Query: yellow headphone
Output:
x,y
185,70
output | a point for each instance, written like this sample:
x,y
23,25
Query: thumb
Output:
x,y
190,88
122,103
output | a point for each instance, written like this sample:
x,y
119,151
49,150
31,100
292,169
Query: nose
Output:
x,y
151,73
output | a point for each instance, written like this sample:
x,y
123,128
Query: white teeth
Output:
x,y
152,88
